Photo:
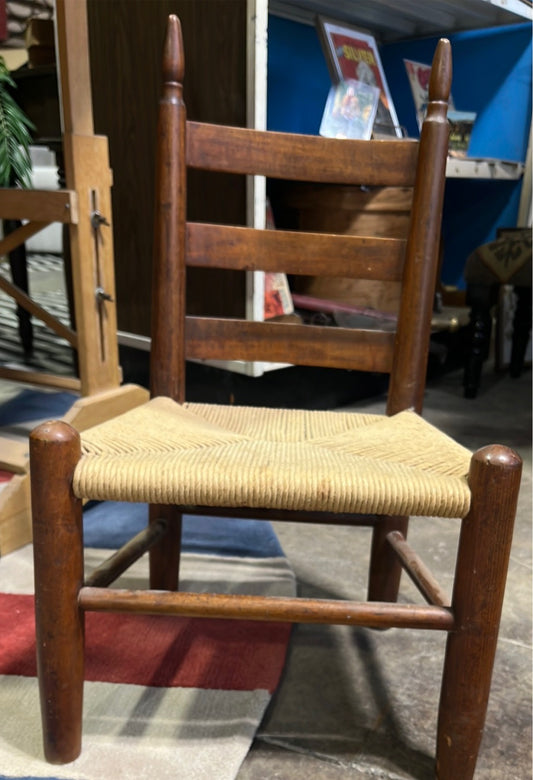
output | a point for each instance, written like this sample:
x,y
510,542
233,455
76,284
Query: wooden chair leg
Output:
x,y
481,572
385,569
58,567
165,555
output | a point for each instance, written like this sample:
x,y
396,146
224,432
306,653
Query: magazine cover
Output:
x,y
461,124
352,54
419,73
350,110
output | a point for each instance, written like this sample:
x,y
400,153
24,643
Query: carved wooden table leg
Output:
x,y
521,330
481,298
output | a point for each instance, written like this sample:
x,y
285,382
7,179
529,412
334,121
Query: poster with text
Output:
x,y
353,54
419,74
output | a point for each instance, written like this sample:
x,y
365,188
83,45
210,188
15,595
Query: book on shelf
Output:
x,y
277,295
350,110
461,124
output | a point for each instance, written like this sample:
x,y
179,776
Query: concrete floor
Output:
x,y
356,703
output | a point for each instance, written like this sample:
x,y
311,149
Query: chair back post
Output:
x,y
167,360
409,367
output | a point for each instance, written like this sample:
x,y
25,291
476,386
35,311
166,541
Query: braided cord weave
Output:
x,y
227,456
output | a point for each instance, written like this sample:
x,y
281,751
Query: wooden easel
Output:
x,y
85,206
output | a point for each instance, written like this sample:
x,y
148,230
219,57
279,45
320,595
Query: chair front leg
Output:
x,y
385,569
165,555
58,571
481,572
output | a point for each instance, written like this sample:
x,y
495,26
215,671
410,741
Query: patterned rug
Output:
x,y
51,353
164,697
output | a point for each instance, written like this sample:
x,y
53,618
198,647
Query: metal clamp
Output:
x,y
101,295
98,219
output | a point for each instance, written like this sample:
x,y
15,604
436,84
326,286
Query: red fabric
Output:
x,y
3,20
156,651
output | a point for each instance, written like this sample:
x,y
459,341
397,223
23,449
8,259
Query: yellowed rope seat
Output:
x,y
211,455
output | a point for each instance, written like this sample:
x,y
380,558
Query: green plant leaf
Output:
x,y
15,136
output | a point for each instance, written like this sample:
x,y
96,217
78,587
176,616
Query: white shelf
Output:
x,y
390,20
480,168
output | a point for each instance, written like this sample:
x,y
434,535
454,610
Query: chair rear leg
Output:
x,y
58,571
481,571
165,554
385,568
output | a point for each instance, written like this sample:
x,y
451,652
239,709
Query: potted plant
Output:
x,y
15,136
15,171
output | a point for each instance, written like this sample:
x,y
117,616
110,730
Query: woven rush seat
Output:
x,y
211,455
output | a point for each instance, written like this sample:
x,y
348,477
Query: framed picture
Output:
x,y
353,54
350,110
418,74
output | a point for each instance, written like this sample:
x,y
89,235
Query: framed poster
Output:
x,y
419,74
353,54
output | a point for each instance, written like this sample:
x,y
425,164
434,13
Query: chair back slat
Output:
x,y
319,254
211,338
241,150
416,169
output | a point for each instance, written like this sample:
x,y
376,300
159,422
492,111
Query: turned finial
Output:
x,y
173,57
498,455
440,83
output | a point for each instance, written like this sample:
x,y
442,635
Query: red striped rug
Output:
x,y
165,697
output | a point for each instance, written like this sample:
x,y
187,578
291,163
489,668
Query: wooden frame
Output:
x,y
85,207
88,192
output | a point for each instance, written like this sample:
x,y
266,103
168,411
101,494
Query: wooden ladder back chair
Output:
x,y
292,465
